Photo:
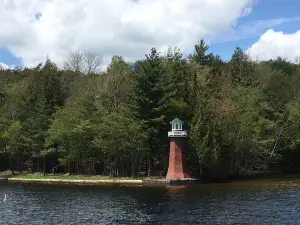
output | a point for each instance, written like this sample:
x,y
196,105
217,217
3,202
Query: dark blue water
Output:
x,y
252,202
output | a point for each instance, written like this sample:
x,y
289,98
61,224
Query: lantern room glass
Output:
x,y
177,126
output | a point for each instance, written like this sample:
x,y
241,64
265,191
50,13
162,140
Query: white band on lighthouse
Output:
x,y
177,133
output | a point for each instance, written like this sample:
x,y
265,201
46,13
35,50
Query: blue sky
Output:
x,y
8,58
264,10
279,15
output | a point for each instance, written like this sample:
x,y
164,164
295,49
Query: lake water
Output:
x,y
244,202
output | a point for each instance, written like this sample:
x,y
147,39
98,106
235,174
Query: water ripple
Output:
x,y
253,203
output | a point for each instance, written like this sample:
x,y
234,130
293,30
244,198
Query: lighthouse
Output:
x,y
178,168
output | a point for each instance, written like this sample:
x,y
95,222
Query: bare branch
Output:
x,y
75,61
83,62
92,63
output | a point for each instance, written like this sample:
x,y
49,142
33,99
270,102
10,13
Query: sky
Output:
x,y
32,30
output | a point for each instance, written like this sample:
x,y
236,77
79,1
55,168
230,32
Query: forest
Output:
x,y
242,116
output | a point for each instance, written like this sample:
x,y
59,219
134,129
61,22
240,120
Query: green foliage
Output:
x,y
122,135
199,56
241,69
13,139
117,84
241,115
152,93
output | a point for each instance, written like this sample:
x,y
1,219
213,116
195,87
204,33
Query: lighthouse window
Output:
x,y
177,127
180,126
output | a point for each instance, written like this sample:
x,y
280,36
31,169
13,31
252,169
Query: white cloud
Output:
x,y
4,66
273,44
107,27
251,29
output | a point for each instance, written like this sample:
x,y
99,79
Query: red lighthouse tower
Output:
x,y
178,168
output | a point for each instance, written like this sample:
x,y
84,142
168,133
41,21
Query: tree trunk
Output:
x,y
77,165
44,166
200,169
10,165
149,166
20,166
93,166
132,166
139,166
38,164
69,166
9,162
31,164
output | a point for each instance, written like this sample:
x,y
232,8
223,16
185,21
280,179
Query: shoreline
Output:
x,y
158,182
91,180
102,180
154,182
71,181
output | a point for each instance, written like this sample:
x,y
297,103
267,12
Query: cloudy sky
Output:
x,y
31,30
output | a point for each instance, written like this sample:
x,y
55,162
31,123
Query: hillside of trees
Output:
x,y
241,116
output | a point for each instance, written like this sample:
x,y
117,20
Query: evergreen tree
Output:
x,y
241,115
199,56
152,93
241,69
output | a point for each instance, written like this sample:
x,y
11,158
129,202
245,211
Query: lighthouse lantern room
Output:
x,y
177,129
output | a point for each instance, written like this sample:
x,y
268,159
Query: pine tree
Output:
x,y
200,56
44,95
241,68
152,93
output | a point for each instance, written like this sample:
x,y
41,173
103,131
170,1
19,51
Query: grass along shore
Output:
x,y
87,179
34,176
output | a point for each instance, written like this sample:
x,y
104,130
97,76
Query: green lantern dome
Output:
x,y
176,121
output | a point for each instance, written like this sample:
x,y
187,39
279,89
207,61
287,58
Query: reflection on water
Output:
x,y
275,201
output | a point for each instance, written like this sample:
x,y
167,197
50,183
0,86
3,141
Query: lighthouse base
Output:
x,y
178,169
